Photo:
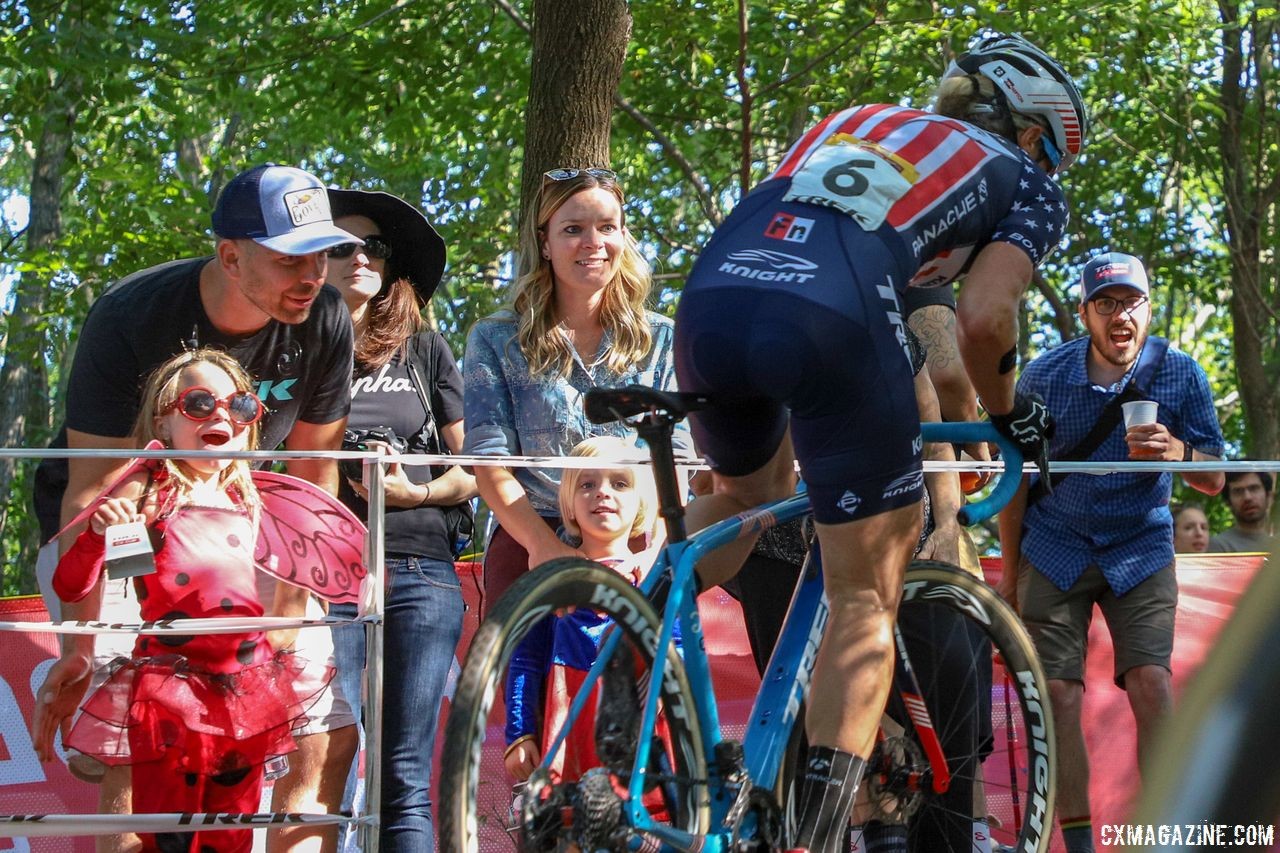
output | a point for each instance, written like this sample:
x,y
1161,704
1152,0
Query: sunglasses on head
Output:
x,y
374,246
570,174
198,403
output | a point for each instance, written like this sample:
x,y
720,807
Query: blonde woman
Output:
x,y
577,321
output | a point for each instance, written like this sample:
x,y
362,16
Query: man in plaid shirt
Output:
x,y
1106,540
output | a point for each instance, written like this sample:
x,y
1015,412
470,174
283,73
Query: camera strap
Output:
x,y
421,388
1140,381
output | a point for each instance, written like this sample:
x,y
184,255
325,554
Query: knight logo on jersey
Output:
x,y
793,229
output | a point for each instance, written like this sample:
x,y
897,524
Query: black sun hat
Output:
x,y
417,251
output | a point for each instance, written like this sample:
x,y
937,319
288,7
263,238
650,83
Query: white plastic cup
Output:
x,y
1139,412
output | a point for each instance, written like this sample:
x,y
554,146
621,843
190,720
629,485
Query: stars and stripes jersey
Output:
x,y
945,187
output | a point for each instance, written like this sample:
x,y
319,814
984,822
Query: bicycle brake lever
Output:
x,y
1042,463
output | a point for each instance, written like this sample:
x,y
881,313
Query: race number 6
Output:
x,y
846,179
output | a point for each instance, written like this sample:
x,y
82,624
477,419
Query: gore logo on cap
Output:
x,y
307,206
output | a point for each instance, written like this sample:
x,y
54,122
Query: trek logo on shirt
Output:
x,y
793,229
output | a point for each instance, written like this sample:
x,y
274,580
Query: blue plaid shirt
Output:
x,y
508,412
1119,522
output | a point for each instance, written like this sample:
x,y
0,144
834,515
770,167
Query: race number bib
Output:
x,y
854,176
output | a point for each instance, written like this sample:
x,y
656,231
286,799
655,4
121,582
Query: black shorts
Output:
x,y
825,352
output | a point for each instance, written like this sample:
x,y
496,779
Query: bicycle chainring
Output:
x,y
763,806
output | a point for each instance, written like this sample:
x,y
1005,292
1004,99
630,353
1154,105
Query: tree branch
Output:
x,y
744,89
1063,318
14,237
705,200
813,63
514,14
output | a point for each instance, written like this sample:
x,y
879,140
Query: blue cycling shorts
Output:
x,y
825,354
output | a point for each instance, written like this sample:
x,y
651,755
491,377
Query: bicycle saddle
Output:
x,y
603,405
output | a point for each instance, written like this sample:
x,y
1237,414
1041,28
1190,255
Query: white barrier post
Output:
x,y
373,604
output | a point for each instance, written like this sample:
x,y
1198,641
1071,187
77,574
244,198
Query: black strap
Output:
x,y
421,388
1143,374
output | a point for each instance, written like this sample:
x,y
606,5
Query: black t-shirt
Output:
x,y
301,372
386,398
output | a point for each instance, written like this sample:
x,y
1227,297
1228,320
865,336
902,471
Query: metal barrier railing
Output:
x,y
371,609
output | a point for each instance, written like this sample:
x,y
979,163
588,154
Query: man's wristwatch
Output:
x,y
1186,451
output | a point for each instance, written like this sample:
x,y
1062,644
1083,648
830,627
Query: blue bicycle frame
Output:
x,y
786,680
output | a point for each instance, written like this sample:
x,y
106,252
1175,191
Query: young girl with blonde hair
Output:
x,y
603,509
199,715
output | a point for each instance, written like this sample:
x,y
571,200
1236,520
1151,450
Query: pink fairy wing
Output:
x,y
308,538
134,466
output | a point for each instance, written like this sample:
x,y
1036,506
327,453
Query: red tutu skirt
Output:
x,y
164,709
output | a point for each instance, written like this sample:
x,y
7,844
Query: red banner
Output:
x,y
26,785
1209,587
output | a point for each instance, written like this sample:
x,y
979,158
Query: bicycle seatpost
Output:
x,y
656,429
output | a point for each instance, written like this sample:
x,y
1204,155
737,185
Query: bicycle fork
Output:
x,y
908,687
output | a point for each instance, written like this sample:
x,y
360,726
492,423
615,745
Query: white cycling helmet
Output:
x,y
1033,84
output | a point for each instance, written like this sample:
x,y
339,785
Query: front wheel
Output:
x,y
477,810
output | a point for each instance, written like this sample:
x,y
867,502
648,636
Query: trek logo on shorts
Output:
x,y
767,265
793,229
893,310
849,502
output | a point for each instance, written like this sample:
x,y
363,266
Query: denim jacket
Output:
x,y
508,412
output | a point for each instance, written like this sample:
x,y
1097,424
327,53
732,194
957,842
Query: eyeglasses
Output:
x,y
374,246
1051,152
198,403
1106,305
570,174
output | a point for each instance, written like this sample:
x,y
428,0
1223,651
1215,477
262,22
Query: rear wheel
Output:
x,y
477,811
987,698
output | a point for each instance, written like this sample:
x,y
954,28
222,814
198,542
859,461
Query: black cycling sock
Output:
x,y
879,837
827,789
1077,834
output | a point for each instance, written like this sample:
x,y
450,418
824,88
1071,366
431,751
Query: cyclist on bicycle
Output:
x,y
810,266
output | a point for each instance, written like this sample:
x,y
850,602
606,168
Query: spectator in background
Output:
x,y
1106,540
1249,495
406,381
1190,530
261,297
577,321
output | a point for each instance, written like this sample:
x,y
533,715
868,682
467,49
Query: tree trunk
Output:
x,y
1247,180
25,404
578,50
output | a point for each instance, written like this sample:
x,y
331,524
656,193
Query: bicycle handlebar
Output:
x,y
1007,481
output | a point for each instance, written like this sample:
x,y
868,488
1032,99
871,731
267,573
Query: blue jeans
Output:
x,y
423,623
